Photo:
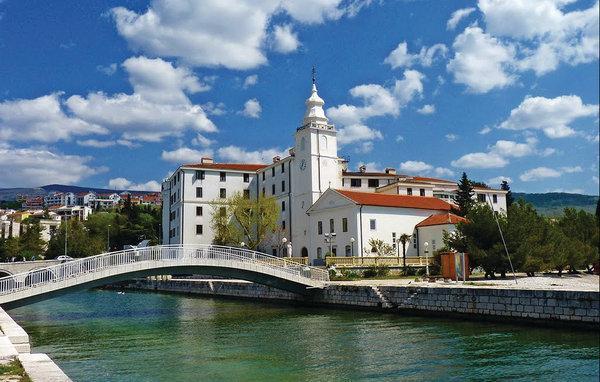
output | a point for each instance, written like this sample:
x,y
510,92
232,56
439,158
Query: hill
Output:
x,y
553,203
9,194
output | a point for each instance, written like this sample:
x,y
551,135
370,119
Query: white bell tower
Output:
x,y
316,164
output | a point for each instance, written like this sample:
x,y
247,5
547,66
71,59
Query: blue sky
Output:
x,y
119,93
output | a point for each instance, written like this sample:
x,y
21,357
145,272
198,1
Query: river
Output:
x,y
104,336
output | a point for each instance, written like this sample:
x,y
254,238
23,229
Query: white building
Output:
x,y
313,185
60,199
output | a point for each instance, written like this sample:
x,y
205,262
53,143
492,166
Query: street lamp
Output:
x,y
283,241
242,244
352,240
108,238
426,244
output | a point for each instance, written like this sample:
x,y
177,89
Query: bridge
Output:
x,y
238,263
15,267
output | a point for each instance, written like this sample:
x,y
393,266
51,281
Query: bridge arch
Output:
x,y
48,282
4,273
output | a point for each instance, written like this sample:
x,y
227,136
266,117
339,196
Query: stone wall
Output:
x,y
540,306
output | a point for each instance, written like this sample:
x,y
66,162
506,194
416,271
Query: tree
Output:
x,y
380,247
581,228
240,218
404,238
30,241
509,196
10,248
464,195
79,241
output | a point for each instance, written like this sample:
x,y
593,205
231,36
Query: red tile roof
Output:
x,y
426,179
227,166
358,173
447,218
398,201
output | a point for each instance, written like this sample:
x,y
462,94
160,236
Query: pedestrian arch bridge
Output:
x,y
43,283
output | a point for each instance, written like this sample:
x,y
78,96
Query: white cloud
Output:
x,y
109,70
442,171
480,160
126,184
551,115
201,140
377,101
285,40
485,130
185,155
593,138
426,109
413,167
252,108
249,81
571,170
356,133
211,33
41,119
158,107
211,108
539,173
399,138
451,137
400,57
481,62
552,34
514,149
364,147
457,16
411,86
240,155
34,167
495,182
103,144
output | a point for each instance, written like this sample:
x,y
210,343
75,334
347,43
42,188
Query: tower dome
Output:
x,y
314,107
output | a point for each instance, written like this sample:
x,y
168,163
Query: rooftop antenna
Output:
x,y
314,74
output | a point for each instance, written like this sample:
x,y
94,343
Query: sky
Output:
x,y
118,94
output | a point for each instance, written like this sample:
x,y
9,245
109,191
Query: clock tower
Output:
x,y
316,166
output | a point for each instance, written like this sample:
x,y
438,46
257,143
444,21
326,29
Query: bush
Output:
x,y
409,271
376,270
350,274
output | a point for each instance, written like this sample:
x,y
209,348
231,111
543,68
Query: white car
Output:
x,y
64,258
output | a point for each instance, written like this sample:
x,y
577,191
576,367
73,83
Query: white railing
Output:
x,y
161,256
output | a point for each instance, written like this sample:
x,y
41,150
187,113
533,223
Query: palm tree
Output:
x,y
404,238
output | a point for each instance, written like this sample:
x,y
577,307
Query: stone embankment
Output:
x,y
14,344
548,307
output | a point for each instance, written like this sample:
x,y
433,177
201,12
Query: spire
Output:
x,y
314,104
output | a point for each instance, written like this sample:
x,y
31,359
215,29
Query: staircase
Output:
x,y
383,301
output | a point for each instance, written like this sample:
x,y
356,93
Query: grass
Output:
x,y
14,369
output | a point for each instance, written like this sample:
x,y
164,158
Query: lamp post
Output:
x,y
242,244
352,240
108,238
329,240
66,233
426,244
283,241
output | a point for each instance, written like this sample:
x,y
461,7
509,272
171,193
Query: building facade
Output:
x,y
316,195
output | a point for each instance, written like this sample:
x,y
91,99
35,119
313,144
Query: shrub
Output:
x,y
409,271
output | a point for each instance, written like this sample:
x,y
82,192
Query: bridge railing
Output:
x,y
166,255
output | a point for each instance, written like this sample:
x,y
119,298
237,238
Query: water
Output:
x,y
103,336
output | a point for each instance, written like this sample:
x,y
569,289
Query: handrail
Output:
x,y
166,255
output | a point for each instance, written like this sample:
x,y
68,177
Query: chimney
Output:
x,y
390,170
276,159
344,164
362,168
206,160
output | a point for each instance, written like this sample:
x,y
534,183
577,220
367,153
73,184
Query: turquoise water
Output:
x,y
103,336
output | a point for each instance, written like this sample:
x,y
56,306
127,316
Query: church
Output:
x,y
324,207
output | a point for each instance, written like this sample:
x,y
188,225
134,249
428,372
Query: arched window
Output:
x,y
323,142
348,251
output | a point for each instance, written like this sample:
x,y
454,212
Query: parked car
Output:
x,y
64,258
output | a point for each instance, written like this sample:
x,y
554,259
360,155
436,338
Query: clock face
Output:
x,y
303,165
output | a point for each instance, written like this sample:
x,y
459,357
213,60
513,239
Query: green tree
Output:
x,y
581,228
404,239
30,241
10,248
509,196
464,195
79,242
380,247
239,218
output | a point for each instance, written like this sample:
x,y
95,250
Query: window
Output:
x,y
199,229
319,253
373,224
394,240
283,224
172,215
409,191
222,211
481,198
200,174
283,206
283,186
331,225
198,211
348,251
422,191
282,168
415,237
246,194
495,198
272,171
319,228
274,251
246,178
272,189
198,192
263,191
223,176
334,250
263,175
222,193
433,244
355,182
344,224
373,182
